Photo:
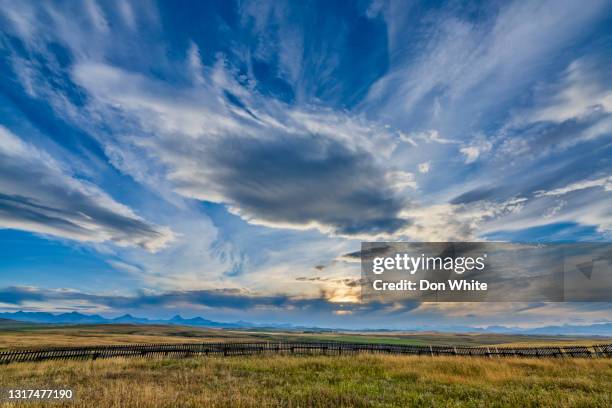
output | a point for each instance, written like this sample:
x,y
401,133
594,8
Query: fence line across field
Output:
x,y
326,348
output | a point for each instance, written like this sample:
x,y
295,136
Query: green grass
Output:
x,y
370,339
429,338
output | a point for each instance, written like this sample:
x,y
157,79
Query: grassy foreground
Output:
x,y
322,381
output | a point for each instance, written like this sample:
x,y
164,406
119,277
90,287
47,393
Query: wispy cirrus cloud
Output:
x,y
200,135
37,194
604,182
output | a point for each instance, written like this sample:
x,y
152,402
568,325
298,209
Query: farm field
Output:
x,y
25,335
321,381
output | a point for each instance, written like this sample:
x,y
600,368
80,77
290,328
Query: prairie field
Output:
x,y
361,380
320,381
24,335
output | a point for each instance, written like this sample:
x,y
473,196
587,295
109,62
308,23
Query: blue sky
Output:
x,y
221,158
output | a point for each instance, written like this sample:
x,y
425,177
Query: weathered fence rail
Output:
x,y
327,348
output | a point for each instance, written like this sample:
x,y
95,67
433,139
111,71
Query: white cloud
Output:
x,y
196,259
455,222
589,208
127,14
428,136
171,137
471,153
424,167
605,182
578,94
97,16
400,180
555,210
195,63
465,70
38,194
272,164
478,147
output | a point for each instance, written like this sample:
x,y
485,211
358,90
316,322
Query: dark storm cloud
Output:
x,y
299,180
212,298
18,209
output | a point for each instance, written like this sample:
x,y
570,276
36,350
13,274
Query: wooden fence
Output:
x,y
327,348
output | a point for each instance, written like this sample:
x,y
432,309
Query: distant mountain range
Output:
x,y
598,329
79,318
9,322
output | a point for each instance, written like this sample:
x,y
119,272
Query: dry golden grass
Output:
x,y
322,381
45,336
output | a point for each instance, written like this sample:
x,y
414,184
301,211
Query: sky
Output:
x,y
225,158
